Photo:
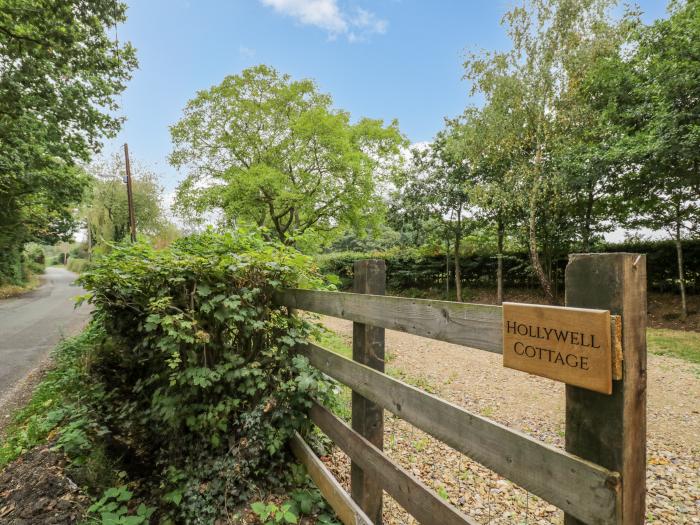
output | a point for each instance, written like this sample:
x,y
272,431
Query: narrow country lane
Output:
x,y
32,324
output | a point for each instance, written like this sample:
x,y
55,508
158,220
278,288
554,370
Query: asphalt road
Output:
x,y
32,324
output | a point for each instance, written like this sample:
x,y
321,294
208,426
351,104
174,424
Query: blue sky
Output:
x,y
377,58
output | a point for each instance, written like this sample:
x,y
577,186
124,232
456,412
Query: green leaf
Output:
x,y
145,511
203,290
133,520
174,496
109,518
261,509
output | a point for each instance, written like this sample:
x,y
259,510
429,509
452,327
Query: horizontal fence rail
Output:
x,y
347,510
477,326
580,488
419,500
474,325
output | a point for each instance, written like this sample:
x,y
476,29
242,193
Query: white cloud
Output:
x,y
367,20
246,52
327,15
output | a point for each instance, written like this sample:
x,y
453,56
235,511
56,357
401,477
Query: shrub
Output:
x,y
16,267
11,266
199,371
77,265
662,263
411,268
408,269
33,262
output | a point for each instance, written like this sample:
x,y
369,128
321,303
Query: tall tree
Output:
x,y
667,74
106,209
437,189
651,98
61,72
583,136
263,148
546,34
488,139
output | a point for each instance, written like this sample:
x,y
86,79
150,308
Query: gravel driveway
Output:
x,y
477,381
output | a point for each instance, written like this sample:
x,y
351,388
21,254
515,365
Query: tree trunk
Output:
x,y
545,282
458,271
499,256
447,271
588,220
89,241
681,274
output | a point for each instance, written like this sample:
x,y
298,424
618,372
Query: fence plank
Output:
x,y
347,510
419,500
579,487
367,417
477,326
611,430
474,325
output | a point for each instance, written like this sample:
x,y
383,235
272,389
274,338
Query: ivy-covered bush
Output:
x,y
199,373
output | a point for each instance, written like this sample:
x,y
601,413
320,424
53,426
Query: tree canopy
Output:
x,y
60,77
106,208
650,100
539,148
265,149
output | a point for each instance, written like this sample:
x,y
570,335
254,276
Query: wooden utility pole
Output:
x,y
129,195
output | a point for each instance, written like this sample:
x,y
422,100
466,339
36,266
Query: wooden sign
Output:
x,y
571,345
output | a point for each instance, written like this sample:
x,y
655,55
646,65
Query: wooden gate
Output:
x,y
598,479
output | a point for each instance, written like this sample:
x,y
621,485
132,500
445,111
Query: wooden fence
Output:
x,y
598,479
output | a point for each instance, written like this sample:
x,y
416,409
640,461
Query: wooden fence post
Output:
x,y
367,417
611,430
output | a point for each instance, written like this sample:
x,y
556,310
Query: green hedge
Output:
x,y
77,265
662,264
17,266
412,269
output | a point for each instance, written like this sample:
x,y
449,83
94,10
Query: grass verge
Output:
x,y
674,343
13,290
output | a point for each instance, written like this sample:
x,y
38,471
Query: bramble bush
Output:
x,y
198,368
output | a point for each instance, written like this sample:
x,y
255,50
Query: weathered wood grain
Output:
x,y
579,487
347,510
368,417
414,496
473,325
611,430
